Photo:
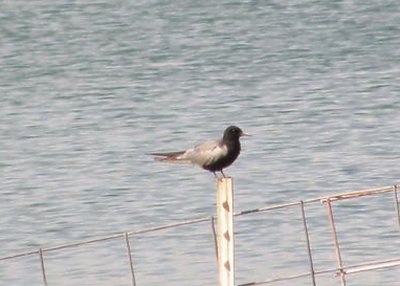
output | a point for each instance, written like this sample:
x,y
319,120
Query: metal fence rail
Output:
x,y
341,270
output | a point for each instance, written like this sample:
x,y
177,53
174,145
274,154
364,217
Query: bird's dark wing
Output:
x,y
203,154
206,153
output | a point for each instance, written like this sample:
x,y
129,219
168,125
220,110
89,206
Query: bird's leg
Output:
x,y
215,175
223,174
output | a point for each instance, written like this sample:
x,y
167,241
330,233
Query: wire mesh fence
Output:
x,y
340,272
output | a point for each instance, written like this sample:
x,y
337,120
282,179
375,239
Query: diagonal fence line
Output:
x,y
203,219
288,278
341,271
372,265
348,270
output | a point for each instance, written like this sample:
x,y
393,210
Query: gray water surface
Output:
x,y
87,89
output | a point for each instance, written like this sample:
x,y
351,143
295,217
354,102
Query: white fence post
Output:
x,y
225,240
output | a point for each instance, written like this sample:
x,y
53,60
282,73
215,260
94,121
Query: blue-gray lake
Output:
x,y
88,88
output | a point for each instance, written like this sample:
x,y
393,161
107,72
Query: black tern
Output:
x,y
213,156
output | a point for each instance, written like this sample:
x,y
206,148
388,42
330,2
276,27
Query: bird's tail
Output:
x,y
171,157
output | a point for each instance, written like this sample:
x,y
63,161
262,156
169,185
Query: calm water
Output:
x,y
87,89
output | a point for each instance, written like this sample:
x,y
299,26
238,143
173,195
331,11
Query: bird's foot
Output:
x,y
219,177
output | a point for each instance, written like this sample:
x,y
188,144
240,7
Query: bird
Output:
x,y
213,155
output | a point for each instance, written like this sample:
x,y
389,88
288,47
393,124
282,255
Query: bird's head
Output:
x,y
233,132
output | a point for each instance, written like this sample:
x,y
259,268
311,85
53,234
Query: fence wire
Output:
x,y
341,270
